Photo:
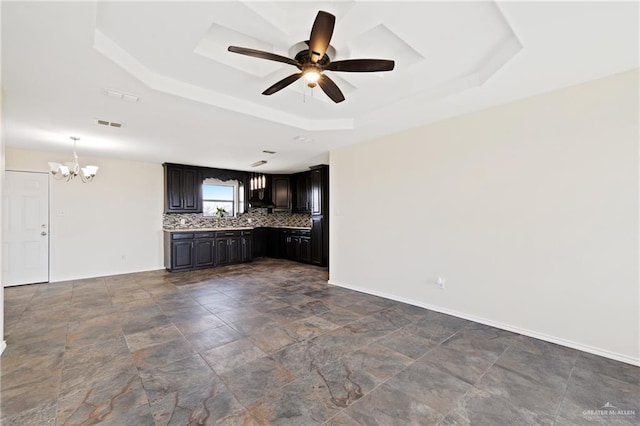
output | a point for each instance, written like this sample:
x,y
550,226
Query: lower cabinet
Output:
x,y
204,253
181,255
259,242
296,244
246,248
194,250
186,250
305,249
319,237
233,247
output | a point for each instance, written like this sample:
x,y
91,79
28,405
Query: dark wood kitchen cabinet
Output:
x,y
302,192
305,249
233,247
183,189
204,250
319,184
274,243
181,255
228,247
259,242
281,193
246,246
318,241
184,250
188,250
296,244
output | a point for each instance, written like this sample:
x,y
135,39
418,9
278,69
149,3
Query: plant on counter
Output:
x,y
221,212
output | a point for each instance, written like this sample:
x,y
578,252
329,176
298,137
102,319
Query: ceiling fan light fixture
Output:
x,y
314,59
312,75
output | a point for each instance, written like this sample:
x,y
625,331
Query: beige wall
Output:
x,y
110,226
528,210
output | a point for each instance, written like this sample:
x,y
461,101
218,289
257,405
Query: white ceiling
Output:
x,y
200,104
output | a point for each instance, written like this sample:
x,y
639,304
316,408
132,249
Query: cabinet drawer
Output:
x,y
205,234
222,234
182,236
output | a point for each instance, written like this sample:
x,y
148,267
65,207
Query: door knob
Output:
x,y
43,233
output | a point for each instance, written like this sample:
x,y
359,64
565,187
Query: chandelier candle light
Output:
x,y
258,183
71,169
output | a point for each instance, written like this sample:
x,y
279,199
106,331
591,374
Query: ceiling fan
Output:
x,y
314,61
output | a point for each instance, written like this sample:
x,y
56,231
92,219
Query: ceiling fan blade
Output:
x,y
282,84
321,33
263,55
331,89
361,65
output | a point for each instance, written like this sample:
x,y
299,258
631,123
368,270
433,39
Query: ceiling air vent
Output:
x,y
126,97
108,123
259,163
266,151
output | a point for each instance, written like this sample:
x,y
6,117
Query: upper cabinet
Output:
x,y
319,178
183,189
301,183
281,192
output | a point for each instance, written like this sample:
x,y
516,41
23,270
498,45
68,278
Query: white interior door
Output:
x,y
25,228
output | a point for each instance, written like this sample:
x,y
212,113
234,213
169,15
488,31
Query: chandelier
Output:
x,y
67,171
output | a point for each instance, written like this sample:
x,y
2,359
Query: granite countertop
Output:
x,y
238,228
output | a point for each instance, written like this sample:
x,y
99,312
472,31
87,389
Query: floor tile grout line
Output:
x,y
564,392
473,385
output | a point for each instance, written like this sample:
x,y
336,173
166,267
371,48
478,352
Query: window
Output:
x,y
218,195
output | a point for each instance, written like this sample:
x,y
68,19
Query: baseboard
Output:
x,y
63,279
3,346
497,324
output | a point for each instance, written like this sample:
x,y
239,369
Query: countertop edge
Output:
x,y
244,228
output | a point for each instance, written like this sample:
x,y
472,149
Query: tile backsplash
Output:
x,y
255,218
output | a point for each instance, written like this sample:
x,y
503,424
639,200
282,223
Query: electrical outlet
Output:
x,y
440,283
182,221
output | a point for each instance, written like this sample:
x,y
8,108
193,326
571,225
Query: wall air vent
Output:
x,y
108,123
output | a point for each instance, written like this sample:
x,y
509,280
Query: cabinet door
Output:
x,y
182,254
259,243
274,243
183,189
317,246
173,188
316,191
222,251
293,248
204,253
281,193
191,190
305,249
285,243
247,252
235,250
302,194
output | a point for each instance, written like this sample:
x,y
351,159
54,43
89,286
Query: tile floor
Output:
x,y
271,343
